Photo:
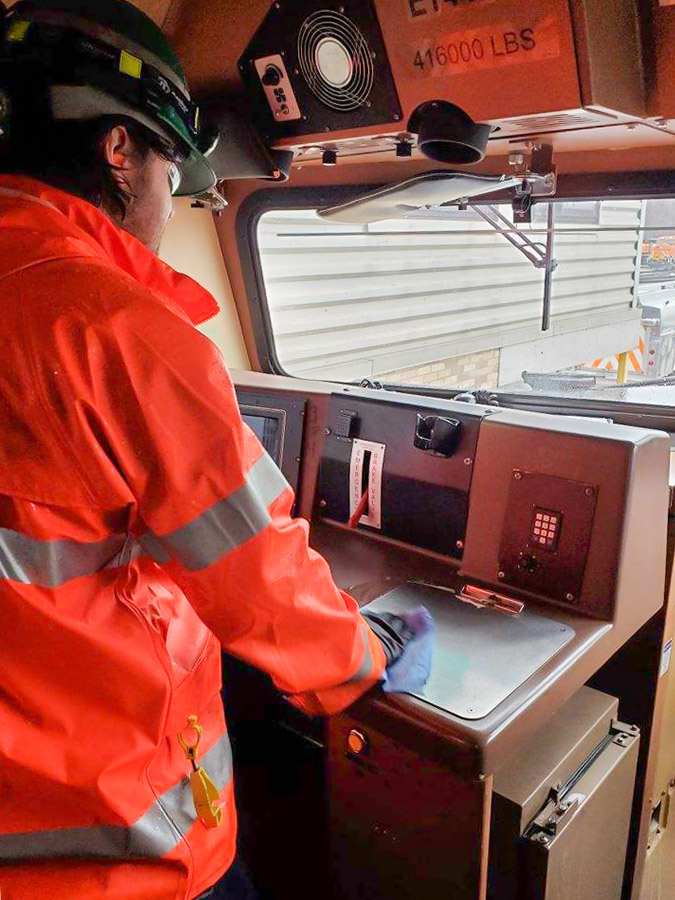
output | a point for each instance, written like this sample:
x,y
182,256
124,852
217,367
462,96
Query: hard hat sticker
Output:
x,y
130,65
17,30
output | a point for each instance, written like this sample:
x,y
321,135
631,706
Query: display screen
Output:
x,y
268,430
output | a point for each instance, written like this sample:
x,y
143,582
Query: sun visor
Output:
x,y
396,201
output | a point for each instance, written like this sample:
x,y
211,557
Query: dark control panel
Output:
x,y
547,532
401,468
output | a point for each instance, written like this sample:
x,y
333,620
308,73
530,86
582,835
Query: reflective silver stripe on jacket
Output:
x,y
226,525
155,834
53,563
366,667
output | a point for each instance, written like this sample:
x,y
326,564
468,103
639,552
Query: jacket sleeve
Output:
x,y
213,509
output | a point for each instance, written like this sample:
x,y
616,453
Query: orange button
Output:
x,y
357,743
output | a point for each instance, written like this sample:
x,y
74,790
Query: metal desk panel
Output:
x,y
480,656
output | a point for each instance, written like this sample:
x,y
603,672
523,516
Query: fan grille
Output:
x,y
327,34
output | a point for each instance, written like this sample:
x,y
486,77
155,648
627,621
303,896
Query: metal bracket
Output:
x,y
557,815
212,199
539,179
540,255
534,251
471,593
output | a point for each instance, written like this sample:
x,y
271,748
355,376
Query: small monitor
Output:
x,y
268,425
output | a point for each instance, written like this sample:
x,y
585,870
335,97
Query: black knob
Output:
x,y
329,158
437,435
271,77
403,148
527,563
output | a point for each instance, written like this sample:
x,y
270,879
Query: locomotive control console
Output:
x,y
538,542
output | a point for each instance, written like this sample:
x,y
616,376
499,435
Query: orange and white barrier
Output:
x,y
634,360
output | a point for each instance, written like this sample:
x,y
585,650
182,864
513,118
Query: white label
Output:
x,y
665,658
376,464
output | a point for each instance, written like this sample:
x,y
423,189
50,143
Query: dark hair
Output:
x,y
68,154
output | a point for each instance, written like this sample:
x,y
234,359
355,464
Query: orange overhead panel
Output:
x,y
662,95
348,75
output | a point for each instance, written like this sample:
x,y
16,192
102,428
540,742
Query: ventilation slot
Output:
x,y
557,121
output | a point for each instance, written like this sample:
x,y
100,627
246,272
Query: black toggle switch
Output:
x,y
437,435
346,423
271,76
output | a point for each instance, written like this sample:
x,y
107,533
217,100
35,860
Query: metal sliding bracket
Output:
x,y
477,596
534,251
563,801
539,180
471,593
540,255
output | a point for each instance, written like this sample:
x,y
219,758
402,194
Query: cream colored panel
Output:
x,y
156,9
191,246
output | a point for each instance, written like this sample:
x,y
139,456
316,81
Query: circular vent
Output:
x,y
335,60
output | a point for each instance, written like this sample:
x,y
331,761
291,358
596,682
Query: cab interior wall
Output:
x,y
592,163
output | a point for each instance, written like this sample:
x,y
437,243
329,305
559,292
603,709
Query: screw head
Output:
x,y
569,597
323,504
589,491
468,461
518,476
459,545
327,431
501,575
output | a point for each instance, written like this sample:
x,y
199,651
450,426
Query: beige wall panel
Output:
x,y
156,9
191,246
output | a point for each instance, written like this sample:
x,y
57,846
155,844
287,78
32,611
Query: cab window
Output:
x,y
445,298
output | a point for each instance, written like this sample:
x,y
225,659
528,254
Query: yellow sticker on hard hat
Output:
x,y
130,65
17,30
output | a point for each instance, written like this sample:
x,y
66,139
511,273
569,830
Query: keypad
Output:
x,y
545,532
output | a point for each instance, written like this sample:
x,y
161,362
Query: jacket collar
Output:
x,y
87,226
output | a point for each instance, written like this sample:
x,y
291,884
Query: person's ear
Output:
x,y
118,149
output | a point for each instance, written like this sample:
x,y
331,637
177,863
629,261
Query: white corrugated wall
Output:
x,y
348,301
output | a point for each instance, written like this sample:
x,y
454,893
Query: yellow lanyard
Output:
x,y
205,794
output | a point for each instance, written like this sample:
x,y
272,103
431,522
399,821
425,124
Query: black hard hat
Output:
x,y
106,57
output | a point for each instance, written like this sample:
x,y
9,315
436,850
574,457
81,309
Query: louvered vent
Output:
x,y
335,60
555,122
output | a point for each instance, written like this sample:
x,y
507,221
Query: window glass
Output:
x,y
441,298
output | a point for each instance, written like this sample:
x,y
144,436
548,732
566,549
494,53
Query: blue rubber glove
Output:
x,y
411,670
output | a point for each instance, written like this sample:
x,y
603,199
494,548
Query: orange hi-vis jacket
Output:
x,y
142,527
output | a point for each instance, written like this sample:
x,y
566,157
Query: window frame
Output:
x,y
589,187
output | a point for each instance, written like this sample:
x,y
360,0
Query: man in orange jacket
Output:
x,y
142,525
